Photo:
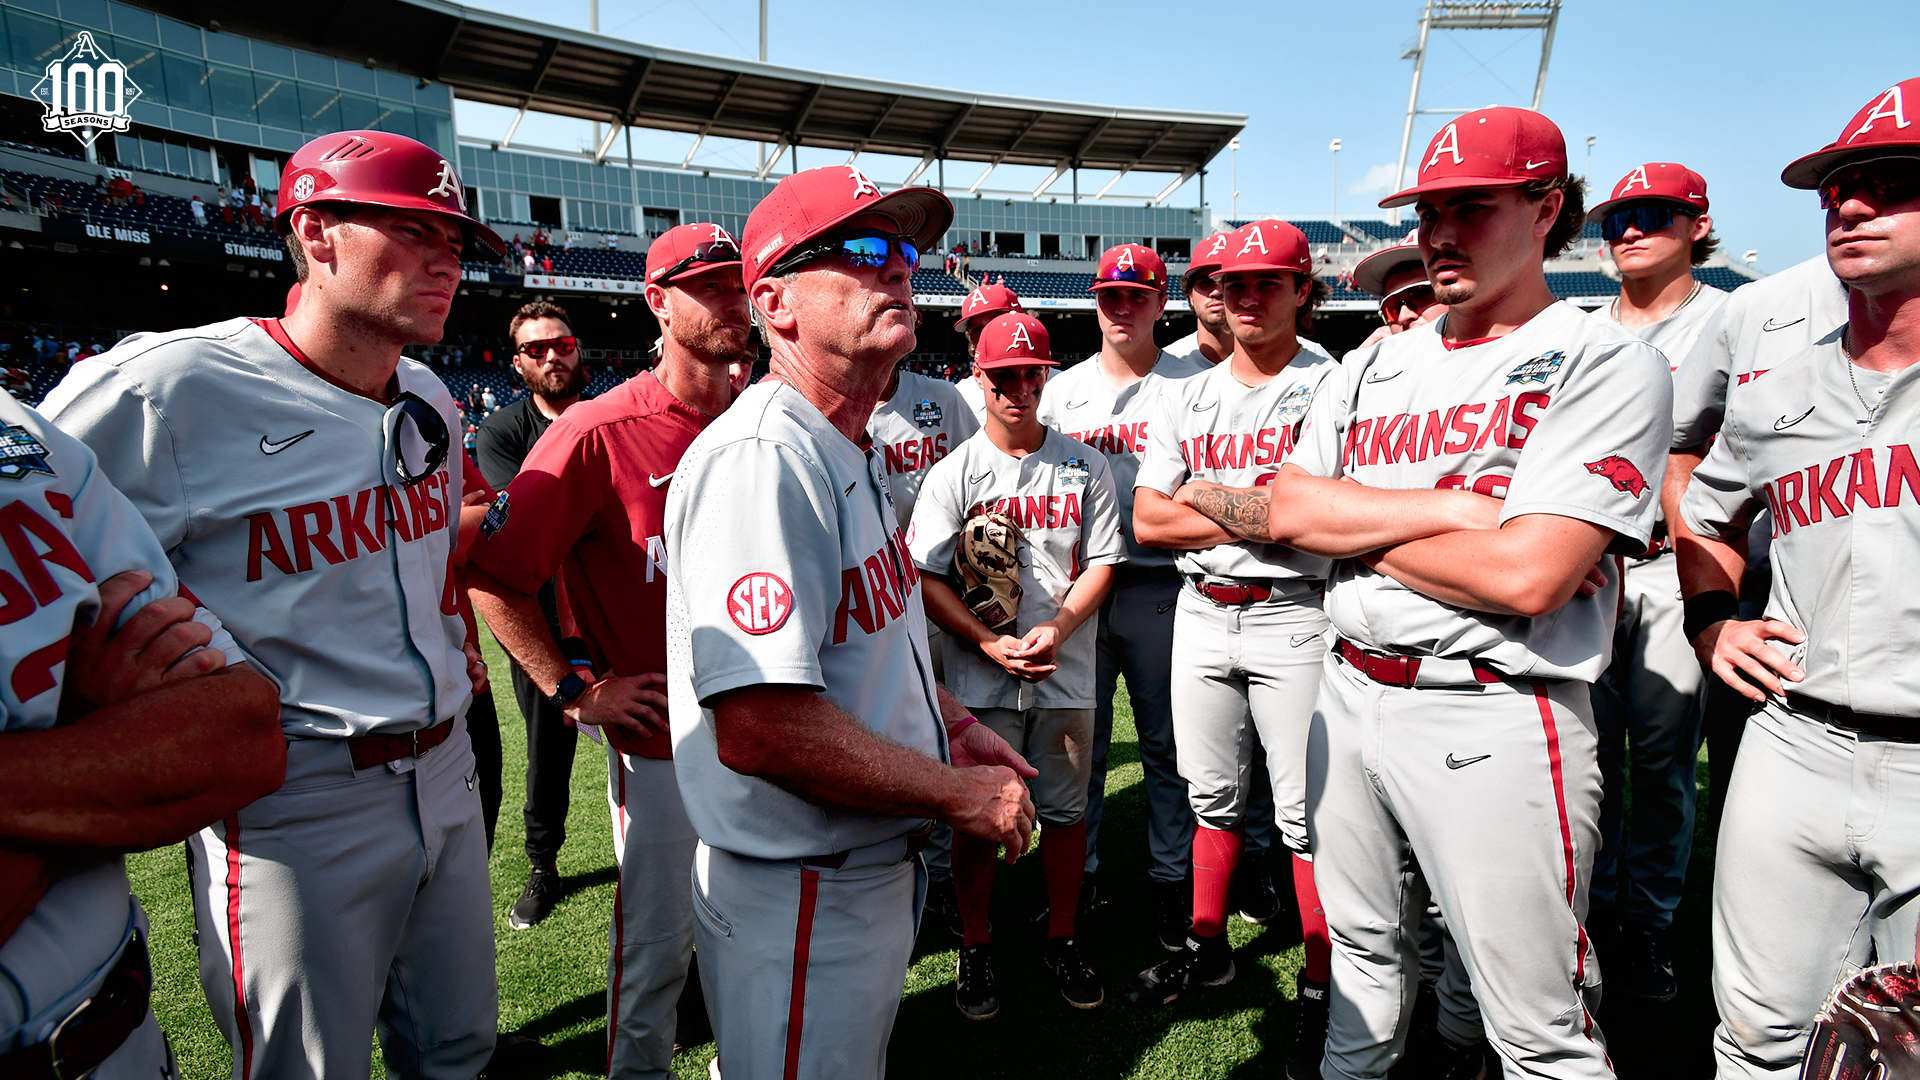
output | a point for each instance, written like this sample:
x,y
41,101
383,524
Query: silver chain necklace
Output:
x,y
1852,378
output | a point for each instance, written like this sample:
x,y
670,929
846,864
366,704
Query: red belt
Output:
x,y
1234,595
371,750
93,1031
916,843
1399,670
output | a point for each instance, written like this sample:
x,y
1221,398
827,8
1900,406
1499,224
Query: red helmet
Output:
x,y
377,168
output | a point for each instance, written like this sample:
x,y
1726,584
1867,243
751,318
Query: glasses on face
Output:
x,y
712,251
559,346
1144,275
1416,298
1646,217
869,249
416,437
1883,184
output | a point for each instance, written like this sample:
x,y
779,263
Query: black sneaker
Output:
x,y
1645,967
1202,962
1310,1034
1254,896
1077,982
1451,1061
943,903
974,994
536,901
1043,912
1175,902
513,1055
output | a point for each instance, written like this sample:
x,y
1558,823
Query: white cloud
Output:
x,y
1377,181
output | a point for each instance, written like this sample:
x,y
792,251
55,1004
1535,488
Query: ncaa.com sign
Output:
x,y
86,92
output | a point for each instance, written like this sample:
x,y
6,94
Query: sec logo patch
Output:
x,y
759,603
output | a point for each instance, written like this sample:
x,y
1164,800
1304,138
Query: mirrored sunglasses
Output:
x,y
538,350
1648,217
862,250
1884,183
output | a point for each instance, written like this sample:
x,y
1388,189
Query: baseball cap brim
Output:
x,y
1450,183
1807,172
1371,273
1014,361
1098,285
960,324
920,214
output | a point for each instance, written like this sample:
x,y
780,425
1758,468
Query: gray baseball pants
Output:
x,y
349,901
1485,798
650,937
1815,877
1136,640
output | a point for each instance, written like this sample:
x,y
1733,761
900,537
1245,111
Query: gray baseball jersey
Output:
x,y
820,594
1838,472
976,398
1760,325
1214,427
67,529
271,489
922,423
1563,416
1082,404
1674,335
1188,348
1061,497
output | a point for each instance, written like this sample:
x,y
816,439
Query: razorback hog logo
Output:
x,y
1624,474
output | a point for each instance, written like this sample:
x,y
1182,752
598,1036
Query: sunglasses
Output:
x,y
862,250
1646,217
712,251
1416,298
560,346
1143,275
1884,184
416,437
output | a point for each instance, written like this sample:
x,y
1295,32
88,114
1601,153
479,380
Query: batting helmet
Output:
x,y
377,168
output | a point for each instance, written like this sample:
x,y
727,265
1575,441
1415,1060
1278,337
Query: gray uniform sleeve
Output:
x,y
1100,541
1719,501
99,405
1700,386
1163,468
936,516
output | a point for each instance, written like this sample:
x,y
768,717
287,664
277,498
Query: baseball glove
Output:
x,y
987,559
1868,1029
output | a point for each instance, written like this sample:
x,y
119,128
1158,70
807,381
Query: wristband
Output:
x,y
1708,608
965,722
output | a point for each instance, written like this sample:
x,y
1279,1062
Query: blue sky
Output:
x,y
1733,90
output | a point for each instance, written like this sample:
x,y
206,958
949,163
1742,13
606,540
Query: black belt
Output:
x,y
916,843
91,1033
1904,729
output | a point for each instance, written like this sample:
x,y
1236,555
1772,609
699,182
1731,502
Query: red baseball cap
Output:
x,y
1130,266
988,300
810,204
1371,273
377,168
1206,257
1265,245
1881,129
1496,147
1015,339
1662,180
709,246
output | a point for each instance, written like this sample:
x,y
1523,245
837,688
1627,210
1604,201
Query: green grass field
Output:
x,y
553,977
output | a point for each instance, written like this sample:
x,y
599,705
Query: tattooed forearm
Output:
x,y
1239,511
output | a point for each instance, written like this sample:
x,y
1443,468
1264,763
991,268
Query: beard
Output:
x,y
718,343
1457,293
558,386
1219,325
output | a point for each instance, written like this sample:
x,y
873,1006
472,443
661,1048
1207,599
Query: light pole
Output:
x,y
1591,139
1334,207
1233,144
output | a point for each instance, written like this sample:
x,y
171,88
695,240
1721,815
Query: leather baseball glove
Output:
x,y
987,559
1869,1029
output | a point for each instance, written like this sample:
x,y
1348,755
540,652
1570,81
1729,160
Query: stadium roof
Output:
x,y
518,63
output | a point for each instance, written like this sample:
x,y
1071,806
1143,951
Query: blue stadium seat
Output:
x,y
1582,283
1047,283
1381,230
937,283
1321,232
1720,277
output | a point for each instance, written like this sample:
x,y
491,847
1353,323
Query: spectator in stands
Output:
x,y
226,209
101,190
526,260
473,398
120,191
487,400
613,242
546,264
255,219
199,210
569,242
471,438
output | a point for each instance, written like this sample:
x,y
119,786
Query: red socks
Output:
x,y
973,866
1063,857
1215,853
1313,923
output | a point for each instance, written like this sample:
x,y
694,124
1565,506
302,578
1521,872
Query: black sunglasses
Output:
x,y
859,250
1648,217
416,437
538,350
712,251
1885,183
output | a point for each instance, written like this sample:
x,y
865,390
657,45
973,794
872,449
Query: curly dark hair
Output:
x,y
1573,211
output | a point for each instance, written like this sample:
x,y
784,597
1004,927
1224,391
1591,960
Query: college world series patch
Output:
x,y
496,516
927,414
1537,369
1073,472
21,453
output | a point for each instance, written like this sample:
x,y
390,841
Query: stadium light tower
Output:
x,y
1233,144
1333,208
1542,15
1588,175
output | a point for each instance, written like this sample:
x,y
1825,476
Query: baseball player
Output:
x,y
130,722
1466,478
1398,277
983,305
1818,863
589,505
1646,706
296,471
1108,402
810,740
1029,677
1249,632
1212,339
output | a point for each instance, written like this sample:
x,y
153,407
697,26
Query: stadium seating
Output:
x,y
1047,283
1322,232
1719,277
1339,292
1583,283
598,263
1381,230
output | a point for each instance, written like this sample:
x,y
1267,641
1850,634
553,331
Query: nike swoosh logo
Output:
x,y
981,477
1302,639
1770,326
1197,407
269,447
1377,377
1783,423
658,481
1077,404
1162,609
1532,164
1461,763
850,488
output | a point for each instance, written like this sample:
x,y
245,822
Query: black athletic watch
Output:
x,y
570,688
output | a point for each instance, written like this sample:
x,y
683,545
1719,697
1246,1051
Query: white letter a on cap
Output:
x,y
1253,240
1447,143
1020,337
1637,176
1891,106
1125,261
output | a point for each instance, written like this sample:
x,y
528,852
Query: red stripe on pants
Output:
x,y
619,926
240,1019
802,946
1552,730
